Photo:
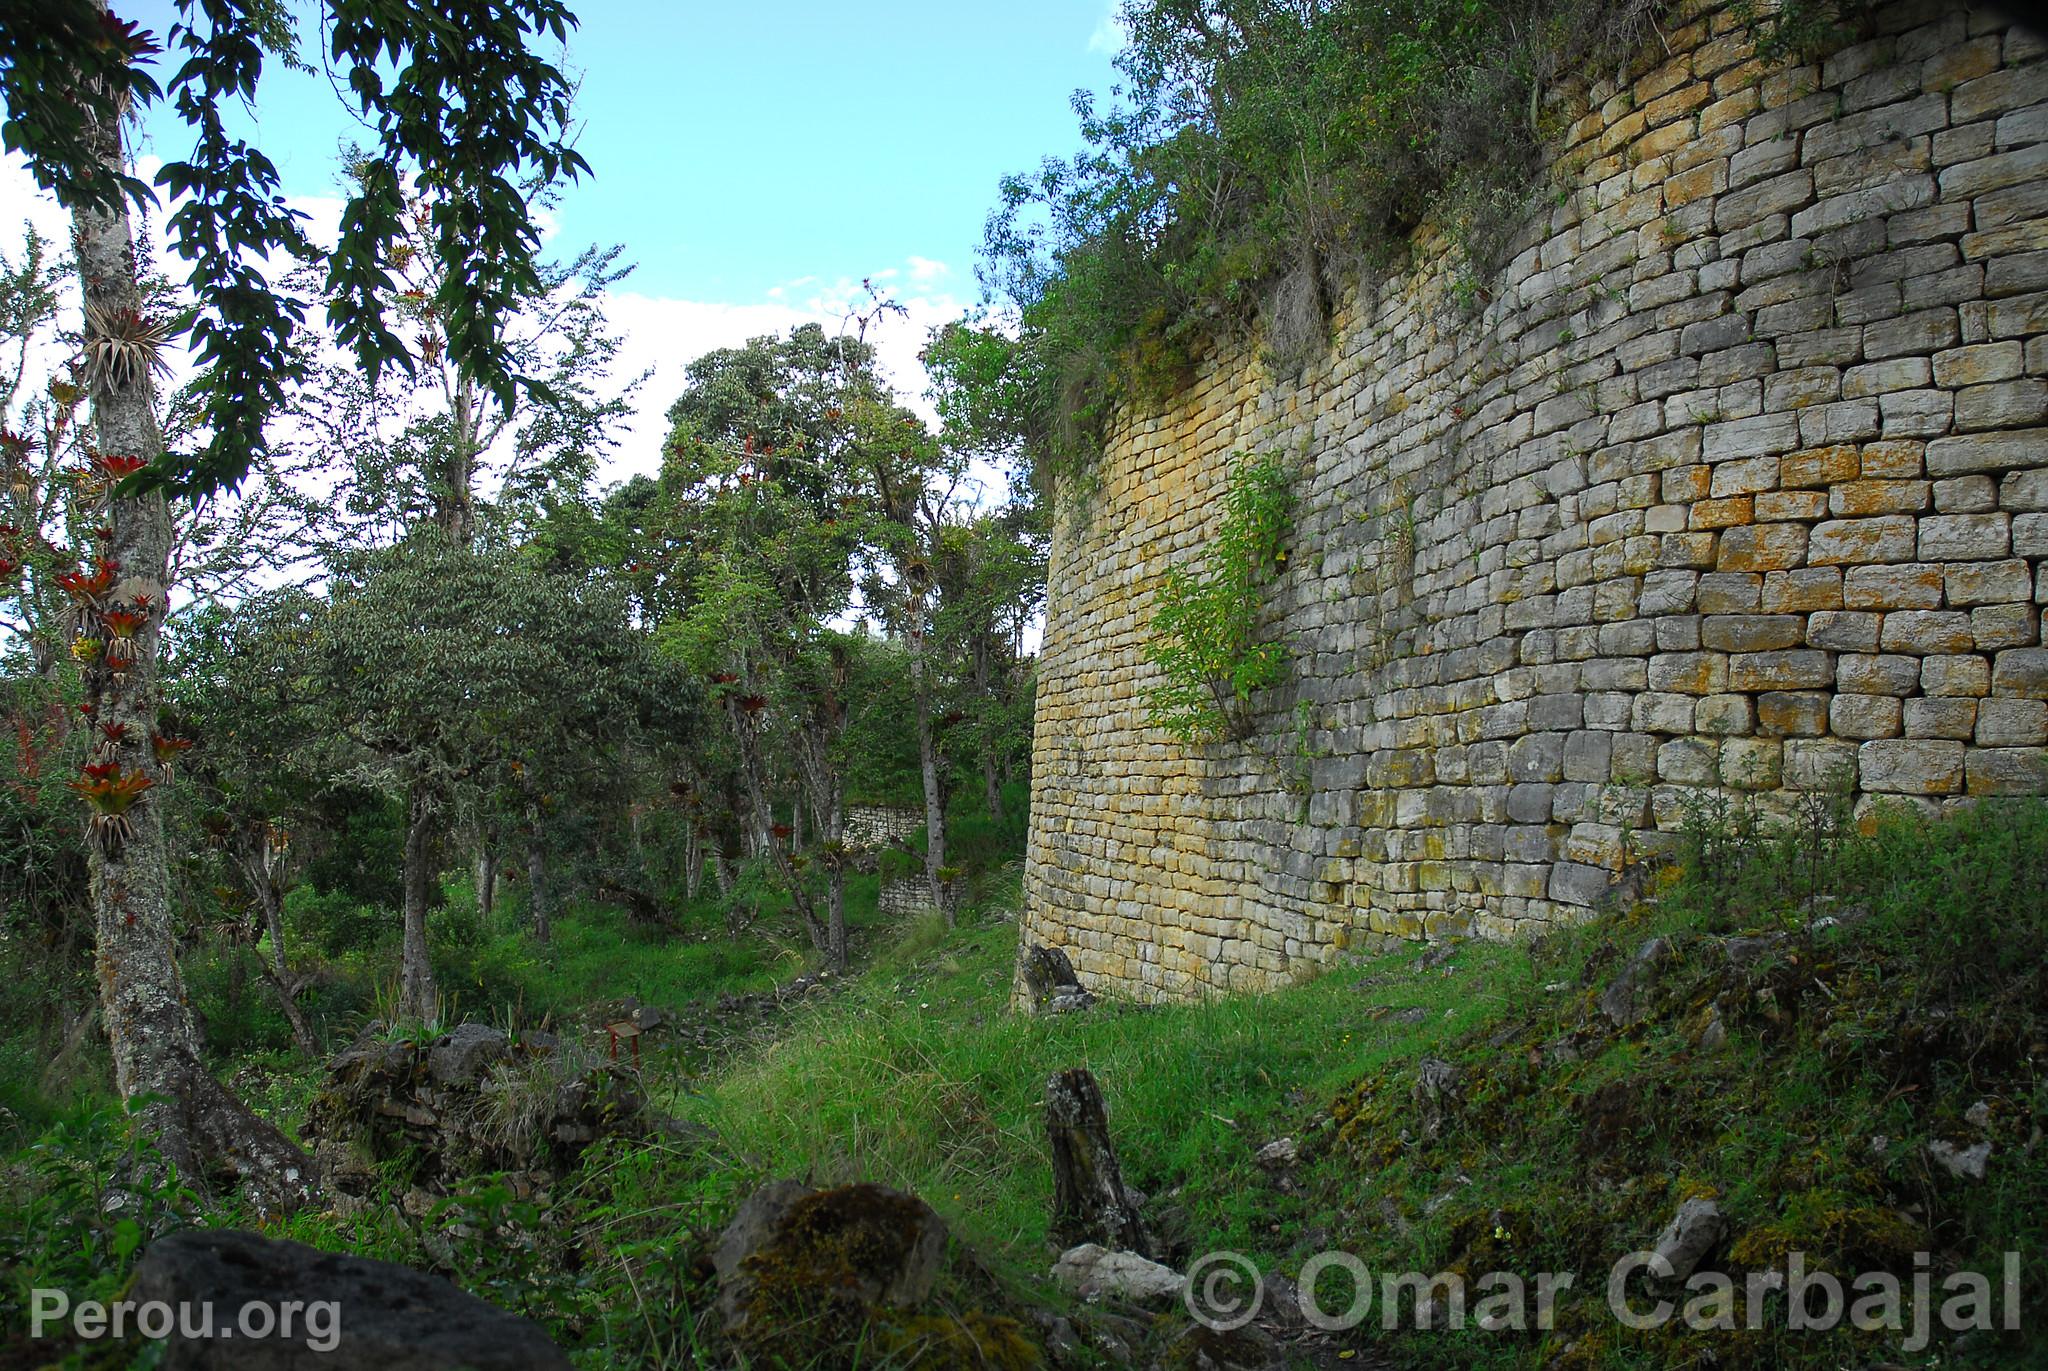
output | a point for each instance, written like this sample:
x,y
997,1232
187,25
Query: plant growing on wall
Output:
x,y
1208,644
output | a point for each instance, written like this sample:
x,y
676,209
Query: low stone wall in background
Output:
x,y
1737,472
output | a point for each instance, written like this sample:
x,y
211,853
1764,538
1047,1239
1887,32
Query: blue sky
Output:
x,y
756,159
742,146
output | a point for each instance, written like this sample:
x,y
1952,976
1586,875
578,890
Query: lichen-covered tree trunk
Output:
x,y
284,983
416,997
929,769
196,1123
538,903
486,880
752,771
833,836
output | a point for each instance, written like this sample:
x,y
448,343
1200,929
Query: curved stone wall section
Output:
x,y
1740,471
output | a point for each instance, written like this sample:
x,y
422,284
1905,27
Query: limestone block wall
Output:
x,y
1738,471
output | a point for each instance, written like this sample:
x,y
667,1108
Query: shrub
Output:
x,y
1207,642
1263,152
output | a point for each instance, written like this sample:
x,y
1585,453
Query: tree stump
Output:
x,y
1090,1203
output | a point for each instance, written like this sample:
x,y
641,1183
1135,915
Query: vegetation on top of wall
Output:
x,y
1206,633
1260,152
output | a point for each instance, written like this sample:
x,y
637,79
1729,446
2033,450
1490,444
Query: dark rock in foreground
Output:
x,y
349,1313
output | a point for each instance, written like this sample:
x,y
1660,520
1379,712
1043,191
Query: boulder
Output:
x,y
1050,980
1437,1093
1245,1348
470,1101
1961,1163
463,1054
1279,1154
1629,999
1094,1272
384,1317
793,1252
1695,1230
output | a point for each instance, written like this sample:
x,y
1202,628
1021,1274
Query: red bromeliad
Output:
x,y
167,749
116,466
122,626
111,793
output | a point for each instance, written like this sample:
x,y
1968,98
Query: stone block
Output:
x,y
1911,767
1763,547
1839,542
2030,535
1877,674
2011,723
1729,592
1926,631
1960,674
1802,591
1965,495
2002,626
2025,490
2021,672
1662,712
1588,755
1537,757
1816,764
1965,537
1952,718
1978,364
2002,404
1689,673
1904,585
1989,452
1724,715
1752,763
1988,583
1854,499
1793,669
1751,632
1819,466
1688,761
1842,630
1791,713
2008,771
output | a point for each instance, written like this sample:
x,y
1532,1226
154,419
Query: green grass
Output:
x,y
919,1078
1571,1141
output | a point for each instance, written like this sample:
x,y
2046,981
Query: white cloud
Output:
x,y
1112,33
667,334
661,332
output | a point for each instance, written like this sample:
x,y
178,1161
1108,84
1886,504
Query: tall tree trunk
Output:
x,y
416,997
751,769
693,864
277,972
455,502
194,1120
486,880
832,839
991,763
992,784
928,767
537,880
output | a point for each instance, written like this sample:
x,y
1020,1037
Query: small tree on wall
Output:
x,y
1208,645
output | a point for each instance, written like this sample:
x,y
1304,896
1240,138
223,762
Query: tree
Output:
x,y
453,92
445,677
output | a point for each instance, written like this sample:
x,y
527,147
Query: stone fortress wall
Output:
x,y
1742,473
